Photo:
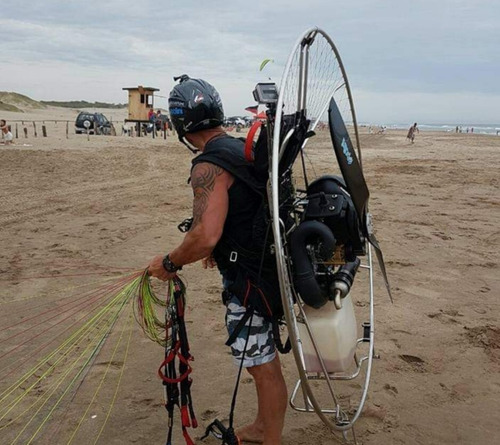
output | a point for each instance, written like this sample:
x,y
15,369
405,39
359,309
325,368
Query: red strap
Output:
x,y
171,356
185,416
188,439
178,379
249,142
247,293
194,423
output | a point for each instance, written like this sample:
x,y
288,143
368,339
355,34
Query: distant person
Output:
x,y
158,121
472,130
151,115
411,132
168,125
7,135
456,129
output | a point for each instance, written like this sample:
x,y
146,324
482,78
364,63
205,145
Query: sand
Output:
x,y
72,204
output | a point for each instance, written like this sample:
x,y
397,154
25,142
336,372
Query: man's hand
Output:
x,y
208,262
156,269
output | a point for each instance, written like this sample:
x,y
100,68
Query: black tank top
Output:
x,y
245,194
243,251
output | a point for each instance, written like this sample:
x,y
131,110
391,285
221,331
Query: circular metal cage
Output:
x,y
314,74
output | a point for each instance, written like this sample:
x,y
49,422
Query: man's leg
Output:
x,y
272,403
261,361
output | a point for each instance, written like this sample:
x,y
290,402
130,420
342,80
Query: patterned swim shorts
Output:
x,y
261,348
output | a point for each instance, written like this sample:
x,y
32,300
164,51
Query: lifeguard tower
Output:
x,y
140,101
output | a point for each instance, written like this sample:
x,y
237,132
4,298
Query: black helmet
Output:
x,y
194,105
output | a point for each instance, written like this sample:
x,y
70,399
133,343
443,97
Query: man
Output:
x,y
411,132
158,121
225,207
7,135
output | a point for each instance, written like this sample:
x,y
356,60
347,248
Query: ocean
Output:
x,y
492,129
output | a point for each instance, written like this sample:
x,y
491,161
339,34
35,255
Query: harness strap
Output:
x,y
239,327
249,141
170,357
171,389
187,411
283,349
194,422
180,350
187,438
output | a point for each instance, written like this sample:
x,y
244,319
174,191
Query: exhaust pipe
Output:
x,y
310,232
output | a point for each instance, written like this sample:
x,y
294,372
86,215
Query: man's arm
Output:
x,y
210,204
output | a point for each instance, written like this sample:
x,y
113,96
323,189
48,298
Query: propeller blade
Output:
x,y
348,163
355,181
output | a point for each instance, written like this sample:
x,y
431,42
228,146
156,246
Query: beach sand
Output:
x,y
75,205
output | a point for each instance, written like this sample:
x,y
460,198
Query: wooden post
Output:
x,y
34,129
25,132
44,131
17,133
67,129
138,129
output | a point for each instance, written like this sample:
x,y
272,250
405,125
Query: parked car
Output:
x,y
99,123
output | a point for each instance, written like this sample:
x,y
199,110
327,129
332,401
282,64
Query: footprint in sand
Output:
x,y
486,337
442,236
416,362
391,389
446,316
208,414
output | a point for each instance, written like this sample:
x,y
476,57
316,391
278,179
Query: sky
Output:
x,y
428,61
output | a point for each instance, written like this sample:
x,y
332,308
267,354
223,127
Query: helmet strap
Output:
x,y
190,147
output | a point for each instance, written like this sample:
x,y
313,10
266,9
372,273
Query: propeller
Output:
x,y
355,180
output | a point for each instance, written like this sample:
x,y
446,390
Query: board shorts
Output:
x,y
261,348
8,136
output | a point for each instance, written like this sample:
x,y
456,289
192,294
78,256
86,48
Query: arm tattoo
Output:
x,y
203,183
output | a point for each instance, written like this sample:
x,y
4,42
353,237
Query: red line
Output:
x,y
16,313
56,308
71,275
36,277
40,333
32,353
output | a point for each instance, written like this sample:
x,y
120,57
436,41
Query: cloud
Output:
x,y
430,108
390,48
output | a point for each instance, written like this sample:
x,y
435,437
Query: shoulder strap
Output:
x,y
249,156
228,153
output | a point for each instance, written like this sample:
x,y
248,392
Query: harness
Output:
x,y
177,381
243,254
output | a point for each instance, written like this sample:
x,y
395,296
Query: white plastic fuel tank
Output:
x,y
335,334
